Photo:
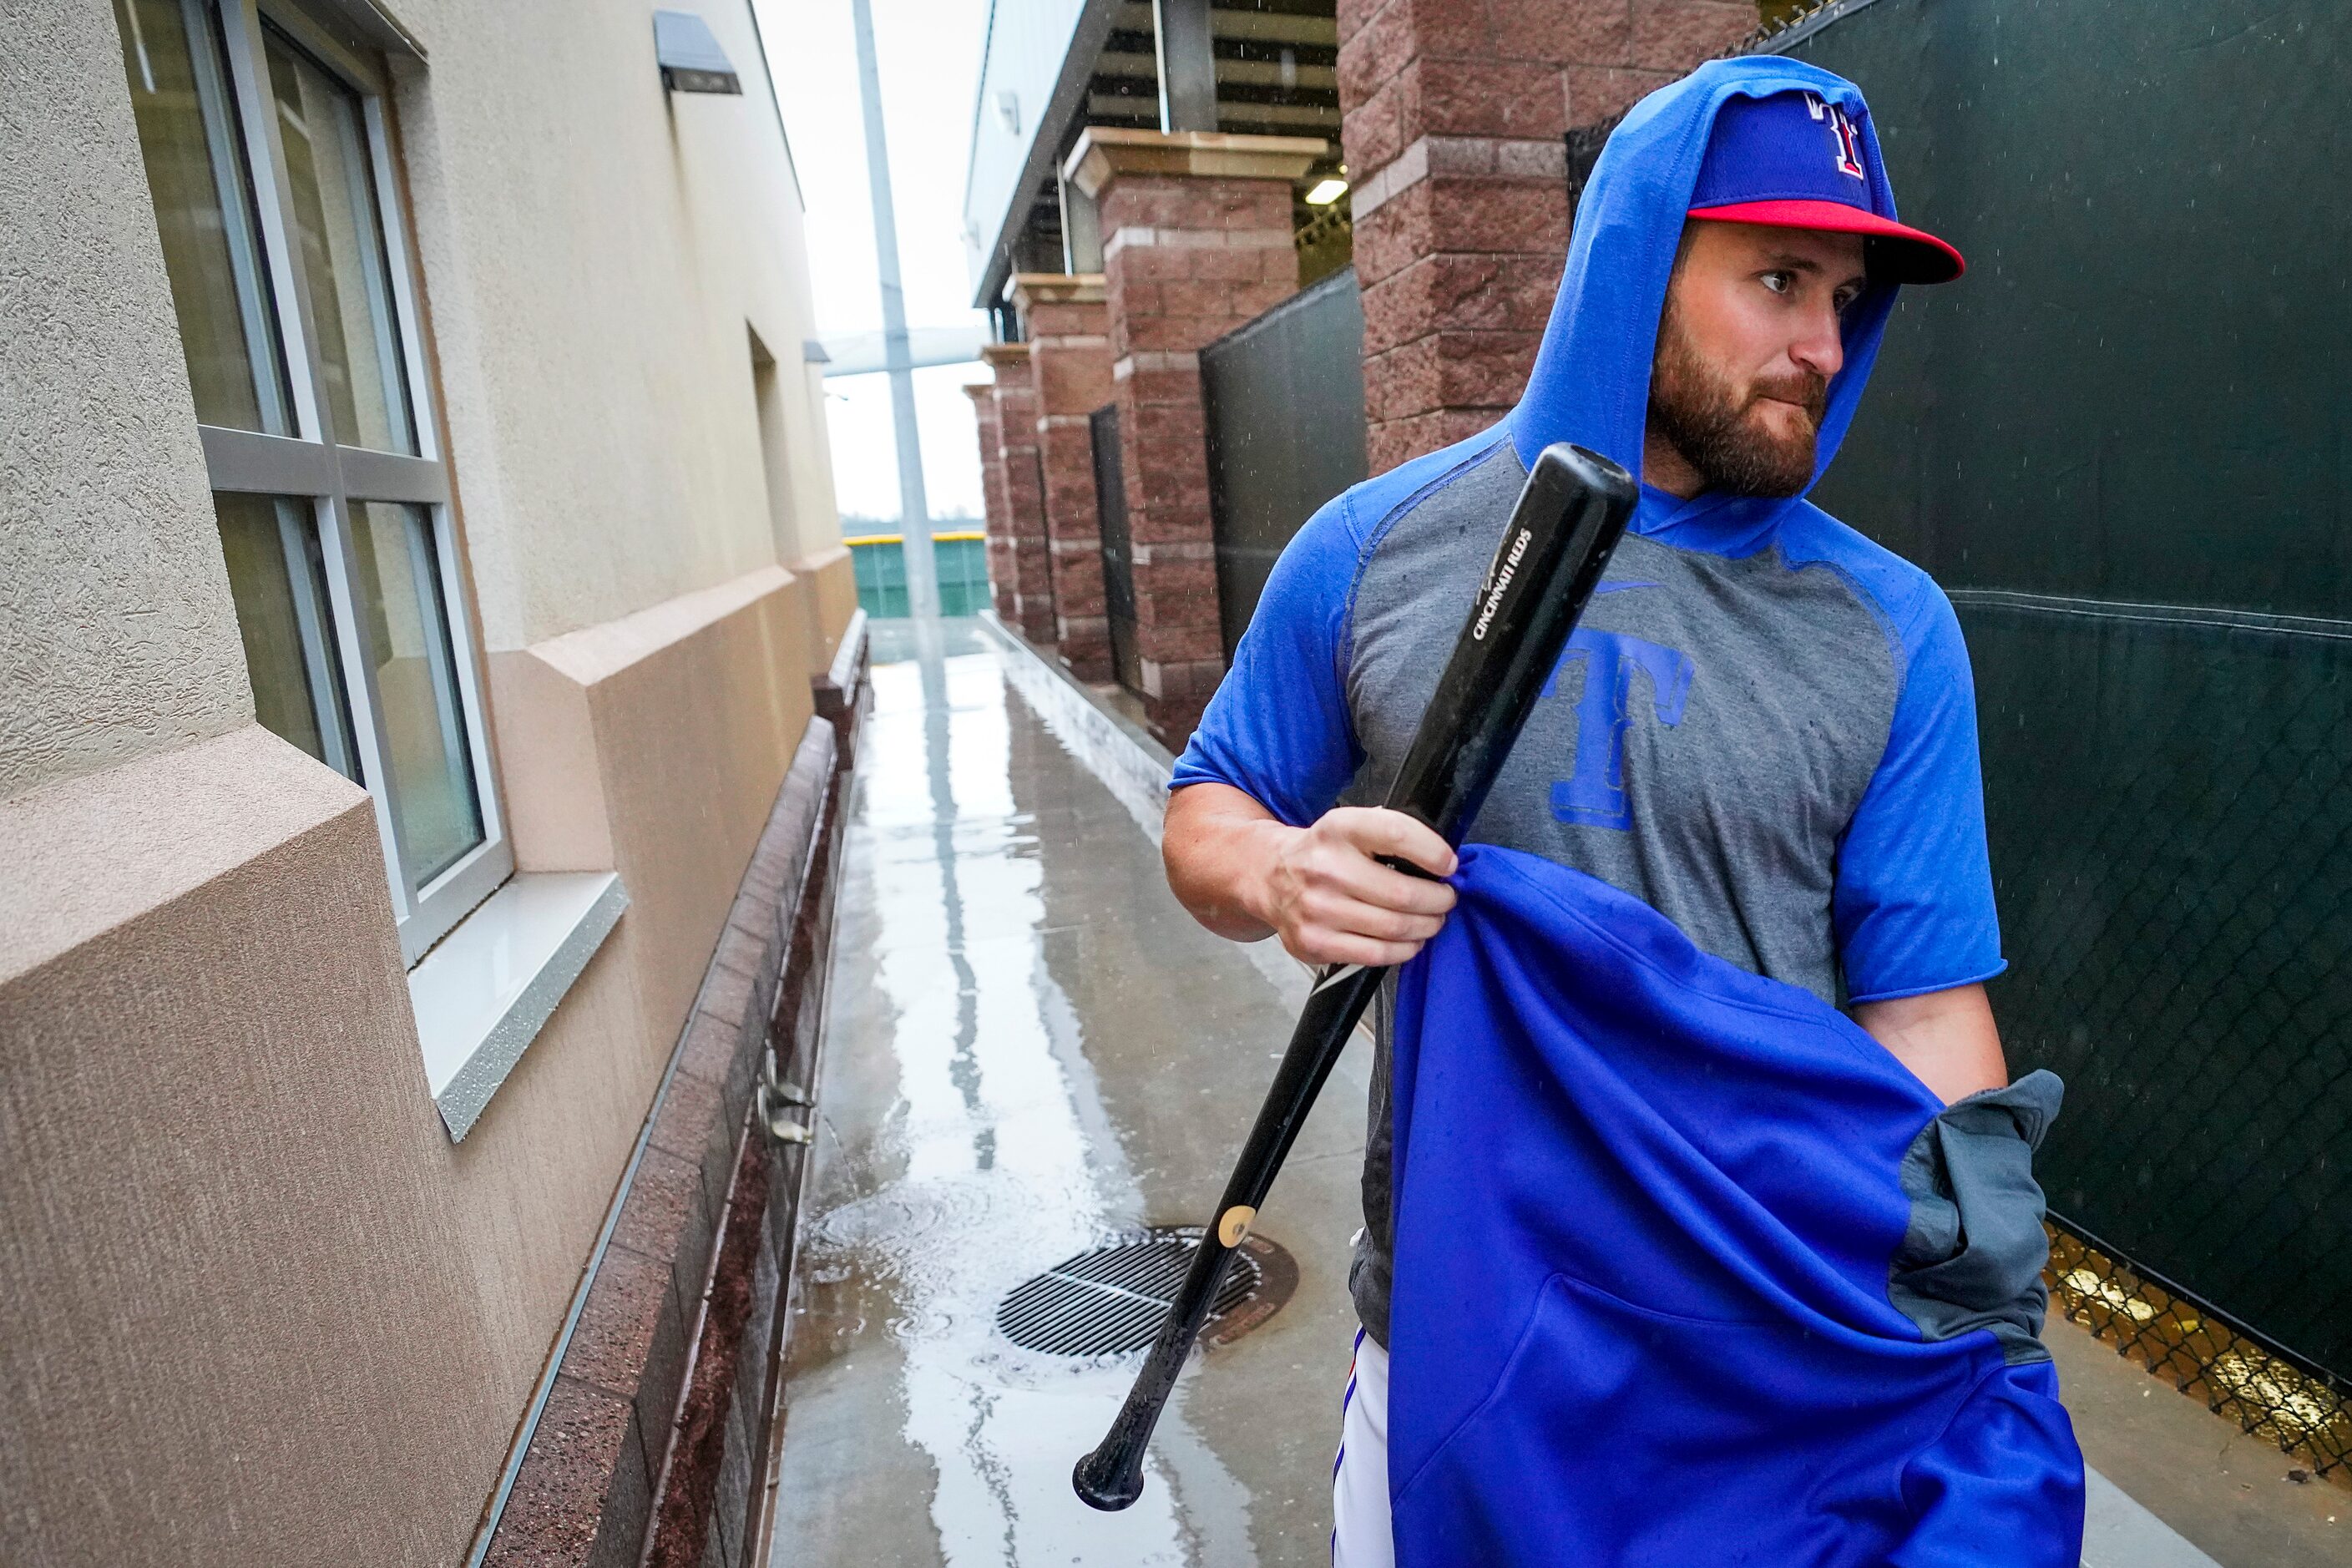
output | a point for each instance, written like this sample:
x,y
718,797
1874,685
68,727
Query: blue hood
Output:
x,y
1591,379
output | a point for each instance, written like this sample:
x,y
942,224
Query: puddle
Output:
x,y
983,1154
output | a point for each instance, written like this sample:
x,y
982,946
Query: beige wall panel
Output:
x,y
831,579
256,1308
819,511
595,251
556,812
529,1187
240,1324
769,262
117,636
693,709
247,1270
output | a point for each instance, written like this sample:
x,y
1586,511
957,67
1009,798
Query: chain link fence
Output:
x,y
1326,240
2308,1412
2143,537
2174,865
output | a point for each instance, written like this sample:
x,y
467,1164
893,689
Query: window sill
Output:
x,y
482,995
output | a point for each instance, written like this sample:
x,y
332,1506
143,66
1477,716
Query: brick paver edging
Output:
x,y
646,1442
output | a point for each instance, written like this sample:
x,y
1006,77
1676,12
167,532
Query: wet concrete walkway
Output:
x,y
1033,1048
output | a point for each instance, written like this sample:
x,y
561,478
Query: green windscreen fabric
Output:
x,y
2121,442
1284,398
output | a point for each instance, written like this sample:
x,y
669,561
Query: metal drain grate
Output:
x,y
1112,1300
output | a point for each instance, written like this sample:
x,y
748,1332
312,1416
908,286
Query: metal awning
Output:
x,y
863,354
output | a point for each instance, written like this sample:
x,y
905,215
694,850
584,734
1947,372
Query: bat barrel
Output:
x,y
1111,1478
1570,516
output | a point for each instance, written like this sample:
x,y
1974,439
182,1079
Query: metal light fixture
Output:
x,y
1327,191
690,57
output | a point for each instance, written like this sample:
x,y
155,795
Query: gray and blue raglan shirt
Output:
x,y
1764,728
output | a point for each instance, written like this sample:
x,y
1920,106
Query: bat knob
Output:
x,y
1109,1478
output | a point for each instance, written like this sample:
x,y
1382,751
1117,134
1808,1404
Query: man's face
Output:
x,y
1746,346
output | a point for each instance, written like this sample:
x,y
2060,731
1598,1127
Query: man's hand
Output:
x,y
1245,876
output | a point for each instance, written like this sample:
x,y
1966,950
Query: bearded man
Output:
x,y
1764,731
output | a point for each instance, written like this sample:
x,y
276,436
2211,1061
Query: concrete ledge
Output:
x,y
1028,291
485,992
1109,745
1103,151
85,855
653,745
2118,1533
836,689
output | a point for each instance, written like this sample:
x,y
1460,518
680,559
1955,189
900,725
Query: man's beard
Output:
x,y
1714,423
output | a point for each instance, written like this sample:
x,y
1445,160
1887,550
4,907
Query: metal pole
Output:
x,y
1188,65
897,355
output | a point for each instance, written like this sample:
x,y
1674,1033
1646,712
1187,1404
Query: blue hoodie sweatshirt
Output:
x,y
1689,1270
1654,1199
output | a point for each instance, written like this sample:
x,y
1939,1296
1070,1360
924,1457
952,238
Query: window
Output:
x,y
265,144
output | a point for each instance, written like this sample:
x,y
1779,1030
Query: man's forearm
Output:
x,y
1947,1039
1216,842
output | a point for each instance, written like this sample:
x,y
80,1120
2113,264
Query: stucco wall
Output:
x,y
242,1268
117,636
254,1305
238,1322
556,186
832,580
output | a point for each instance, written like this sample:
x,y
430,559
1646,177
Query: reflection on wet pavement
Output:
x,y
1032,1047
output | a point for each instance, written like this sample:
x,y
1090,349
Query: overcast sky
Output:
x,y
930,55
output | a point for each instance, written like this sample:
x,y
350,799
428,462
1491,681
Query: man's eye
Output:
x,y
1780,282
1846,296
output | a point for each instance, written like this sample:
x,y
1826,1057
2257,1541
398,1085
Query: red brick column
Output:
x,y
1031,611
1196,241
1454,117
1068,329
1003,582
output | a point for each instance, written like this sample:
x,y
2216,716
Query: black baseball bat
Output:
x,y
1568,519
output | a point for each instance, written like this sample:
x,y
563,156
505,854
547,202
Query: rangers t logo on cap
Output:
x,y
1848,148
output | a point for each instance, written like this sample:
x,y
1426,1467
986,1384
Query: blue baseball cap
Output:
x,y
1794,160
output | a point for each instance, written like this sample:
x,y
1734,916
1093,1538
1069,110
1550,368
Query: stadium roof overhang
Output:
x,y
1276,73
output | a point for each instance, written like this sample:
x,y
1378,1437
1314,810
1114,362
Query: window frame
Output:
x,y
312,465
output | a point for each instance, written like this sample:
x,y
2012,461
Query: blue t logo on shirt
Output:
x,y
1594,793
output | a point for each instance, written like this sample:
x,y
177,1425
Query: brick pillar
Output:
x,y
1454,115
1030,610
1003,582
1196,241
1068,329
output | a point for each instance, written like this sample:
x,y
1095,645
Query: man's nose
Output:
x,y
1821,347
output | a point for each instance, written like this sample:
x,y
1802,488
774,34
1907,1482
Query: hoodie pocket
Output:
x,y
1973,1253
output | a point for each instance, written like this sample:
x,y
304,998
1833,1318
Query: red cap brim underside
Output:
x,y
1903,255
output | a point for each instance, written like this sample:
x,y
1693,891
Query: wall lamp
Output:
x,y
690,58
